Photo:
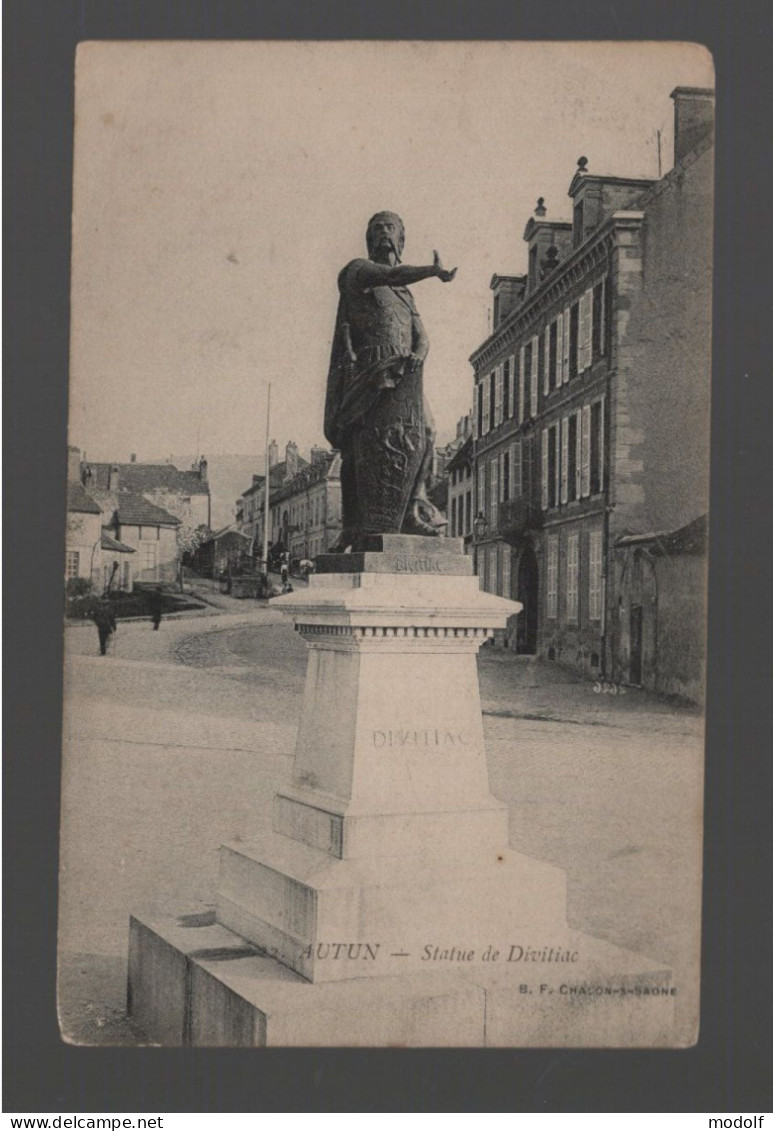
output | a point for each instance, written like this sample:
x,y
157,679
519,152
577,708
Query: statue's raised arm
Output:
x,y
375,412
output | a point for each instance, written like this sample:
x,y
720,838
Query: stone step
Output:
x,y
291,899
193,982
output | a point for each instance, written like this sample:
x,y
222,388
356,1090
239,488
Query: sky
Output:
x,y
219,188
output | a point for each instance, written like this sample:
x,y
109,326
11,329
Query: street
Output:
x,y
176,740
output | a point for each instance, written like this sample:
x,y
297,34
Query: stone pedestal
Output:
x,y
387,888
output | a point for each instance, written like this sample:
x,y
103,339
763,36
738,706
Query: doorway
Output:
x,y
528,595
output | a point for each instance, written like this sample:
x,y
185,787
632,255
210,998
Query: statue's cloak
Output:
x,y
375,324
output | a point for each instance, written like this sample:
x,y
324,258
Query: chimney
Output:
x,y
273,454
112,478
291,460
133,457
73,464
203,470
318,457
693,117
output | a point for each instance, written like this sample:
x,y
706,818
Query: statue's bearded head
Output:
x,y
383,227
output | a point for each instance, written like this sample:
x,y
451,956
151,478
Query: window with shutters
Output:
x,y
552,381
504,570
516,471
594,577
565,343
481,486
598,344
484,393
493,472
573,463
468,512
527,365
596,447
585,451
506,390
521,384
553,461
545,355
505,477
586,314
500,395
536,353
572,577
478,412
545,470
565,459
574,339
71,563
512,386
552,601
492,387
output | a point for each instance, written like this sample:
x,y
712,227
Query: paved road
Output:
x,y
176,742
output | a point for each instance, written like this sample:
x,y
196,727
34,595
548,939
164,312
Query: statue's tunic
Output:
x,y
374,408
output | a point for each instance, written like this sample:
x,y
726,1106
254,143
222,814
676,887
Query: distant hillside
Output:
x,y
229,476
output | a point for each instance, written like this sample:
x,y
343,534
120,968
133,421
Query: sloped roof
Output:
x,y
78,499
461,456
140,478
133,510
110,543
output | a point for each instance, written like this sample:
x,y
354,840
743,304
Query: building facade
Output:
x,y
461,493
305,511
92,554
590,410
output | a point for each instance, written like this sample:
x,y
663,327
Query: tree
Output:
x,y
189,537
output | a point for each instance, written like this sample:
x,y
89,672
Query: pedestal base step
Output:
x,y
295,902
193,982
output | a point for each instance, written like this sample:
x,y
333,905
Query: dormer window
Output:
x,y
532,267
579,221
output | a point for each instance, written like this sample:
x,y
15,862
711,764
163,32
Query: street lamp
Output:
x,y
480,526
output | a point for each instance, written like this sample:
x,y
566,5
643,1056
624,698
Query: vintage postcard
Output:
x,y
387,519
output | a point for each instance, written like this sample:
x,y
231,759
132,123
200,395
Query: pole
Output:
x,y
660,171
267,485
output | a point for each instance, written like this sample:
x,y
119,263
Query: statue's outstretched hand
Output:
x,y
440,271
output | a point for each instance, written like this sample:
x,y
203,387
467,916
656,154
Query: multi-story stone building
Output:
x,y
590,409
305,511
304,502
460,493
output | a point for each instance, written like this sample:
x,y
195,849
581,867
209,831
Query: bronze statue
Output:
x,y
375,413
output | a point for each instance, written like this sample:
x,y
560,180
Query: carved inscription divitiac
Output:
x,y
426,737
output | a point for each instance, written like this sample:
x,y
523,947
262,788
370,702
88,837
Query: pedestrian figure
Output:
x,y
156,603
285,569
104,618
